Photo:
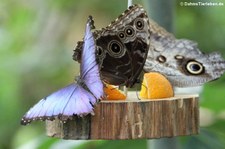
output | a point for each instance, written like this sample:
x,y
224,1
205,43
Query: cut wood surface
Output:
x,y
133,119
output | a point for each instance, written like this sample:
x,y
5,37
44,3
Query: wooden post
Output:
x,y
133,119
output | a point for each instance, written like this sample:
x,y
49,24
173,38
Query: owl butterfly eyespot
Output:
x,y
116,49
139,24
122,47
180,60
129,31
121,35
194,67
179,57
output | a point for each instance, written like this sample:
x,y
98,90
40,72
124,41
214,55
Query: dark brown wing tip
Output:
x,y
91,22
134,7
63,118
25,121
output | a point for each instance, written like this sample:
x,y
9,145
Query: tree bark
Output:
x,y
133,119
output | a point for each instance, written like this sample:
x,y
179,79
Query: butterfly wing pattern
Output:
x,y
122,47
76,98
180,60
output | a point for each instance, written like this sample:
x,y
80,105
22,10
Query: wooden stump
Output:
x,y
133,119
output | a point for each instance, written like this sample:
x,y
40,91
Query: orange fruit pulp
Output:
x,y
113,93
155,86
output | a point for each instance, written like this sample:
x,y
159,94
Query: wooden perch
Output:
x,y
133,119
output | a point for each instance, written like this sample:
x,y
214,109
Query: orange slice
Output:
x,y
155,86
113,93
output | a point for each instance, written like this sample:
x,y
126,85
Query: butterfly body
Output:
x,y
76,99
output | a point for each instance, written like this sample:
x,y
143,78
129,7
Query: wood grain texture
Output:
x,y
133,119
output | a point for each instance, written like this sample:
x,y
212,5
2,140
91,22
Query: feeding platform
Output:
x,y
132,119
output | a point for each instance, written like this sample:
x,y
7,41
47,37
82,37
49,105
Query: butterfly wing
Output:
x,y
63,104
122,47
73,99
180,60
89,67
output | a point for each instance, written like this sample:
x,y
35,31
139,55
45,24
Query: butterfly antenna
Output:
x,y
137,91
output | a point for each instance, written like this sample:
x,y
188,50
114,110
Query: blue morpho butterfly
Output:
x,y
77,98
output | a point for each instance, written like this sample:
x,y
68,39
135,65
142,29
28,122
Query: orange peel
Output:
x,y
113,93
155,86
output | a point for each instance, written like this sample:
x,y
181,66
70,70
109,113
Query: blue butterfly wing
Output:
x,y
72,99
63,104
89,67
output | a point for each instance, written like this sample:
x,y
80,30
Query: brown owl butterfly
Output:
x,y
180,60
122,47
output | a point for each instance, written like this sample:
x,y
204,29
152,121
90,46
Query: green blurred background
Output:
x,y
37,38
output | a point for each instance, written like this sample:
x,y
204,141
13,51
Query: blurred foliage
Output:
x,y
204,25
37,38
207,140
140,144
